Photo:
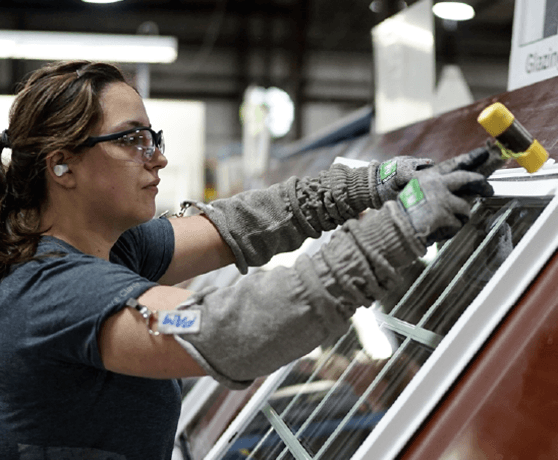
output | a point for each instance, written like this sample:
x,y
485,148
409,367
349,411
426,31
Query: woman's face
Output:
x,y
113,186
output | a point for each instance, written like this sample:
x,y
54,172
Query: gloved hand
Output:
x,y
483,160
258,224
393,175
436,204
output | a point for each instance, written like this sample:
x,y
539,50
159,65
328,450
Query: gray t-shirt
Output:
x,y
56,399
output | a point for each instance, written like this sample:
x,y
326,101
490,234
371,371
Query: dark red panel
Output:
x,y
442,137
505,405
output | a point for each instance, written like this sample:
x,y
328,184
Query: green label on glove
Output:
x,y
388,170
411,194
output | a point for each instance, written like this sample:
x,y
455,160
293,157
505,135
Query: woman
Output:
x,y
84,369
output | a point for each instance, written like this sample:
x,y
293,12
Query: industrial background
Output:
x,y
319,51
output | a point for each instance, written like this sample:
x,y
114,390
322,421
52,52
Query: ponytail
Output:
x,y
4,143
19,233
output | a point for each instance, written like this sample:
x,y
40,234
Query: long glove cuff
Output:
x,y
389,233
271,318
335,196
257,224
353,188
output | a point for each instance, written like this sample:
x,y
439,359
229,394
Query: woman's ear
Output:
x,y
59,170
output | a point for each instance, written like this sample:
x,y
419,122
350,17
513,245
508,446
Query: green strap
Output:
x,y
507,153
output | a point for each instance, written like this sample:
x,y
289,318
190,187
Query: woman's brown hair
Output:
x,y
56,108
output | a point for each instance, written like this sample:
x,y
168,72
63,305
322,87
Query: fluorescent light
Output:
x,y
95,47
454,11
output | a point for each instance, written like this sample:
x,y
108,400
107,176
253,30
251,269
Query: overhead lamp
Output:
x,y
280,115
454,11
95,47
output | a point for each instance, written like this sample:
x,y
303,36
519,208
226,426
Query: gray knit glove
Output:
x,y
436,204
393,175
484,160
271,318
258,224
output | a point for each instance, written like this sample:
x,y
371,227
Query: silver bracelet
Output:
x,y
183,208
147,314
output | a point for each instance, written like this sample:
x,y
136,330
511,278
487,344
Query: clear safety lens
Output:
x,y
140,143
143,143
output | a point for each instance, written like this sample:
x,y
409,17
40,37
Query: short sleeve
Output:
x,y
63,301
146,249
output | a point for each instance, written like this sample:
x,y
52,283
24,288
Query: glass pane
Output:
x,y
498,230
466,263
220,411
258,441
300,393
331,401
378,383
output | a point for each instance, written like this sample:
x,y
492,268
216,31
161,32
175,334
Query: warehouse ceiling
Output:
x,y
225,45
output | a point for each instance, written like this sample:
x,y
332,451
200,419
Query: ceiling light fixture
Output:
x,y
280,108
95,47
454,11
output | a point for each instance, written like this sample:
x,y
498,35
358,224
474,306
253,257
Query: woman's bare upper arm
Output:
x,y
127,347
199,249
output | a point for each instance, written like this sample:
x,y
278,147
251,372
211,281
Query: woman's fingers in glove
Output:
x,y
448,229
402,169
495,160
465,162
437,205
467,183
484,160
413,163
394,174
459,210
423,163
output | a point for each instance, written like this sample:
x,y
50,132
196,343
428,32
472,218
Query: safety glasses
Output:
x,y
141,142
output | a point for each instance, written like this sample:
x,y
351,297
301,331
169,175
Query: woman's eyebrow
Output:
x,y
129,124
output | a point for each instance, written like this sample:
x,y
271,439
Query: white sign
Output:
x,y
534,52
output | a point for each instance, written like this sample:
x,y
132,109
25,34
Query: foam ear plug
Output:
x,y
60,170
